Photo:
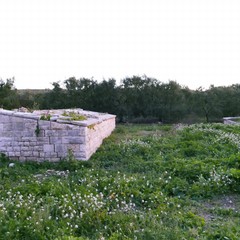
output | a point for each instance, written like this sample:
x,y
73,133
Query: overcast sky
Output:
x,y
194,42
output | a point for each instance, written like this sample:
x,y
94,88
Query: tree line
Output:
x,y
137,99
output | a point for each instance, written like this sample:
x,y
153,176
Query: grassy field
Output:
x,y
145,182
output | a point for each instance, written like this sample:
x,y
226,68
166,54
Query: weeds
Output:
x,y
159,185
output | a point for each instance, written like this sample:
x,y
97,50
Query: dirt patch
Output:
x,y
225,202
212,208
50,173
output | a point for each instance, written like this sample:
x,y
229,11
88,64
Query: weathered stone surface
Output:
x,y
60,148
73,140
44,124
74,133
36,154
48,148
23,136
50,155
231,120
26,153
18,126
57,126
55,140
38,148
73,147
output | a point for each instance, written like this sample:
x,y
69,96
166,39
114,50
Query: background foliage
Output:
x,y
136,99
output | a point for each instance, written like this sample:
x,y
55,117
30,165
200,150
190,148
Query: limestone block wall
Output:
x,y
95,135
231,120
24,136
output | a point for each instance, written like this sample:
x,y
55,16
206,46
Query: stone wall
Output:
x,y
24,136
231,120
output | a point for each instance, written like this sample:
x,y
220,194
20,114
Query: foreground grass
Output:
x,y
145,182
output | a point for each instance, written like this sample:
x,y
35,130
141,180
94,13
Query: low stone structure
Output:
x,y
52,134
231,120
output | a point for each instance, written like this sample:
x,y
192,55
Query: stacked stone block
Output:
x,y
23,136
231,120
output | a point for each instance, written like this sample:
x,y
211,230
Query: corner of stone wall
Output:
x,y
25,137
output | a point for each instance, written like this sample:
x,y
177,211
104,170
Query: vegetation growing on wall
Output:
x,y
74,116
45,117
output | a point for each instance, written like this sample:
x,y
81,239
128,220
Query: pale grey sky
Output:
x,y
195,42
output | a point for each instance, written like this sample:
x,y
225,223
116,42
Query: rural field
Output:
x,y
145,182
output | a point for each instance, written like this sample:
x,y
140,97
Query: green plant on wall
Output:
x,y
74,116
45,117
92,126
37,130
70,156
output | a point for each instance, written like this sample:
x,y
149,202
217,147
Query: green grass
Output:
x,y
145,182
